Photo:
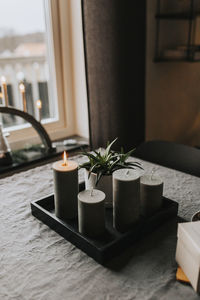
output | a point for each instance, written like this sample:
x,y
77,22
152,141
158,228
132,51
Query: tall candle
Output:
x,y
91,212
66,188
39,107
151,194
22,91
4,90
126,198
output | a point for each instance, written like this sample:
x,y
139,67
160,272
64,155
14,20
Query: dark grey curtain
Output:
x,y
114,34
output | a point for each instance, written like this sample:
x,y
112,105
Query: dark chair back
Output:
x,y
172,155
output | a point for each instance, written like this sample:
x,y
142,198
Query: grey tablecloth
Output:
x,y
36,263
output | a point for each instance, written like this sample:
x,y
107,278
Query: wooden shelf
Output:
x,y
163,59
190,53
176,16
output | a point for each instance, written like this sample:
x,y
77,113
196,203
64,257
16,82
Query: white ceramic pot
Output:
x,y
104,185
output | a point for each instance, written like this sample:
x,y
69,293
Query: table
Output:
x,y
37,263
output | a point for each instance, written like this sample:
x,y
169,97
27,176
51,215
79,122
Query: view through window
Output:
x,y
23,59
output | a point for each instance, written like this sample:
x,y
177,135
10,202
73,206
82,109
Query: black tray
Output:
x,y
112,242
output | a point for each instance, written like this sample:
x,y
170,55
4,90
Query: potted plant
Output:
x,y
100,166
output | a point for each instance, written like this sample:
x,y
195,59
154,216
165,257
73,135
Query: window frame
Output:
x,y
59,15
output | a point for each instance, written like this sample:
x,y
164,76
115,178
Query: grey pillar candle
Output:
x,y
151,194
66,189
91,212
126,198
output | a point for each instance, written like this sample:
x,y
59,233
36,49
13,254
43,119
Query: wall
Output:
x,y
172,93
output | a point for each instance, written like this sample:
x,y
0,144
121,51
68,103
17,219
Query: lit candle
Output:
x,y
151,194
39,107
22,91
91,212
4,90
126,198
66,188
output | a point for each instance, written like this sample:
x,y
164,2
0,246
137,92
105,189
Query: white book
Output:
x,y
189,232
188,251
188,264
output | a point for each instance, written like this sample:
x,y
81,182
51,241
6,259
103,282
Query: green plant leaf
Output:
x,y
107,161
109,146
99,175
133,164
85,165
93,168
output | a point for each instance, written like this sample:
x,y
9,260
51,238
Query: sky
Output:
x,y
24,16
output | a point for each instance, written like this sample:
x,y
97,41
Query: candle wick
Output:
x,y
91,192
127,172
64,164
152,173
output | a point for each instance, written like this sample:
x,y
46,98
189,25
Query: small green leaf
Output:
x,y
110,145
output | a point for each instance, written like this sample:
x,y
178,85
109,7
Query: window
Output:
x,y
41,47
24,41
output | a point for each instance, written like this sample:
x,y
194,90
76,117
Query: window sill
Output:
x,y
25,159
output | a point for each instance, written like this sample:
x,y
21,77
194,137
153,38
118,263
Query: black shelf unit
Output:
x,y
191,52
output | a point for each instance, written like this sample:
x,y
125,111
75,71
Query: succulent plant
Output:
x,y
105,162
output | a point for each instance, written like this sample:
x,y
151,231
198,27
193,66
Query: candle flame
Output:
x,y
65,158
3,79
22,87
39,104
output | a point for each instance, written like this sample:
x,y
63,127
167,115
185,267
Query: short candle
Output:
x,y
22,91
66,188
151,194
91,212
126,198
39,107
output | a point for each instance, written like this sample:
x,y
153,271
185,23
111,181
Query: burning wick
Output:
x,y
39,106
22,88
22,91
64,159
3,79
